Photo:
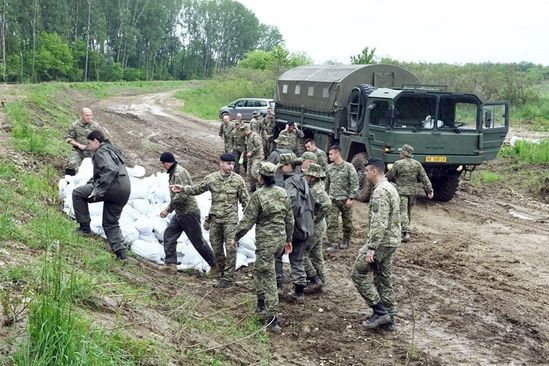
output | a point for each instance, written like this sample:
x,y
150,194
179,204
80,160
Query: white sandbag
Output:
x,y
61,187
148,237
85,173
241,260
144,225
96,209
140,189
129,233
141,205
137,171
245,251
151,251
159,226
248,241
96,226
161,191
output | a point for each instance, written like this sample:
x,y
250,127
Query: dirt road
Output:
x,y
472,286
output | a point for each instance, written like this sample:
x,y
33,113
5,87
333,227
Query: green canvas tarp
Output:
x,y
326,88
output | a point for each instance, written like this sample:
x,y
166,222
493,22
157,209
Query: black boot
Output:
x,y
344,244
297,295
380,317
121,255
261,309
314,286
273,326
84,229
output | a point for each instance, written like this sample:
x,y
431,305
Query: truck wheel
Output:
x,y
445,187
358,162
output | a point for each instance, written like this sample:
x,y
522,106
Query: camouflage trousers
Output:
x,y
221,234
338,206
266,251
228,146
76,158
406,204
313,260
381,287
253,172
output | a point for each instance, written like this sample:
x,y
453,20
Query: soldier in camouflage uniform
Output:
x,y
268,131
294,136
227,190
239,146
282,147
77,137
406,173
256,124
313,259
271,212
186,219
307,159
321,157
376,256
226,133
341,185
254,154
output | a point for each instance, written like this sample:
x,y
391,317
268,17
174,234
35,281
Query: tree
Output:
x,y
53,57
269,37
365,57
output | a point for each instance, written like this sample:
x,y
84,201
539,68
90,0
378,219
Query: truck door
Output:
x,y
495,124
378,120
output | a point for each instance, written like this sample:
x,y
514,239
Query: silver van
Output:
x,y
247,106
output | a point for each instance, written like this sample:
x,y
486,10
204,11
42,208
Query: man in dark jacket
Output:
x,y
110,184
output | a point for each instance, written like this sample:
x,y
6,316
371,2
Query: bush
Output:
x,y
133,74
529,152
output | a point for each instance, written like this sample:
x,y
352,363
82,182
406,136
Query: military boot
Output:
x,y
169,267
390,327
121,255
380,317
314,286
273,326
344,244
223,283
405,237
84,230
261,309
332,247
297,296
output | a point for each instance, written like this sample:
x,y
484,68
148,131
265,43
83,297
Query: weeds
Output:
x,y
489,177
529,152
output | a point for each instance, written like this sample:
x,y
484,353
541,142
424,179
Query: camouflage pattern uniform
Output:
x,y
341,184
384,239
268,127
254,146
239,148
226,191
186,219
256,125
406,173
314,258
270,210
321,158
274,157
226,133
79,132
295,140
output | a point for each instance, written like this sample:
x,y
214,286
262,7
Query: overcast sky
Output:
x,y
412,30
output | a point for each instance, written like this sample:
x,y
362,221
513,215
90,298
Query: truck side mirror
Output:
x,y
488,119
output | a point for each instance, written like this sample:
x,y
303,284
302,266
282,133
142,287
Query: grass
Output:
x,y
529,152
488,177
535,115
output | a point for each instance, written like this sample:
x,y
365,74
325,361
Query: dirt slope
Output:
x,y
472,286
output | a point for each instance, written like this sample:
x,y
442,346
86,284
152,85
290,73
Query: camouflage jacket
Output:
x,y
321,158
226,133
406,173
268,126
239,140
254,145
226,193
322,200
256,125
271,211
341,181
181,202
293,138
79,131
384,225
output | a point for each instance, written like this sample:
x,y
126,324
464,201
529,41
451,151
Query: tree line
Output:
x,y
106,40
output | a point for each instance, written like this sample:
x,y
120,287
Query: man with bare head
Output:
x,y
226,133
77,137
239,146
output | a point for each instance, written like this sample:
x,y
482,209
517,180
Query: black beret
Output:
x,y
167,157
291,123
226,157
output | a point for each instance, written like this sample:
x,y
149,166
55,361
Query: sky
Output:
x,y
456,32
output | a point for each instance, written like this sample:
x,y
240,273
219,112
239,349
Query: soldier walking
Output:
x,y
186,219
239,146
254,154
111,185
77,137
376,256
406,173
227,188
341,185
268,132
271,212
226,133
313,259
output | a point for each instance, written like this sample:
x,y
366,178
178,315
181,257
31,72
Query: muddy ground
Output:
x,y
472,286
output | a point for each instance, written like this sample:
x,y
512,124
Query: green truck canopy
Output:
x,y
326,88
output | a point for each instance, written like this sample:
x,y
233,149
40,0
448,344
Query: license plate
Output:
x,y
436,159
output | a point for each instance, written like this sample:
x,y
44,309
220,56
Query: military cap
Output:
x,y
244,127
286,159
407,150
315,170
267,169
227,157
256,113
282,140
308,155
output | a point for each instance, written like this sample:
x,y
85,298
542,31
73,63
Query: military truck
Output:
x,y
372,110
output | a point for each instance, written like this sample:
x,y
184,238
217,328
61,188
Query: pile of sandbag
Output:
x,y
140,222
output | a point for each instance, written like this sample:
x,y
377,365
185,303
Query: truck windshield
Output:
x,y
415,111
